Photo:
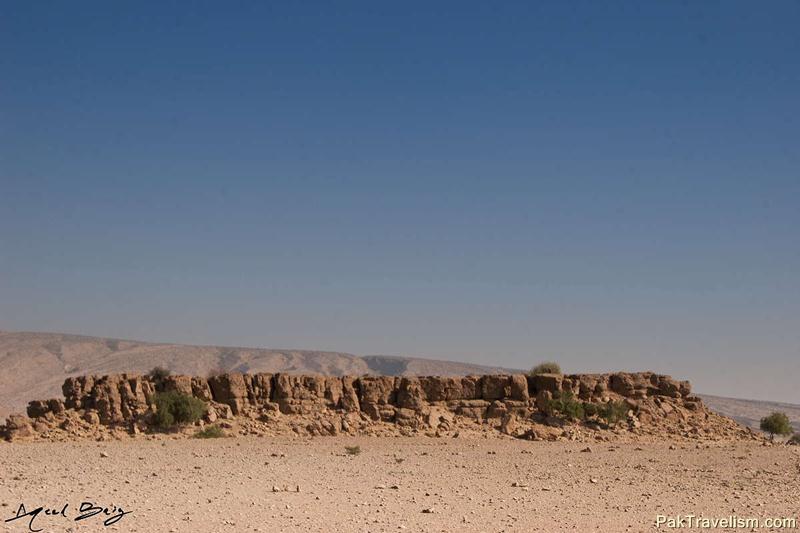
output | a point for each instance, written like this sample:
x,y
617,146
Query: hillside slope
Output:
x,y
750,412
34,365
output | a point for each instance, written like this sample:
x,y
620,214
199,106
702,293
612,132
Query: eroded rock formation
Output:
x,y
323,405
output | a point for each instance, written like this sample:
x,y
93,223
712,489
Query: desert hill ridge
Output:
x,y
35,364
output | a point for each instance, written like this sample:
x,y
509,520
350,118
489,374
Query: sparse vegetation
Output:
x,y
159,373
547,367
210,432
174,408
613,412
567,406
352,450
776,424
794,440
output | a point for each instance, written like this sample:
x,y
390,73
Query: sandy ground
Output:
x,y
239,484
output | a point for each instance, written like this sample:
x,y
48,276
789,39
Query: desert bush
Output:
x,y
547,367
776,424
173,408
613,412
159,373
352,450
794,440
592,409
210,432
567,406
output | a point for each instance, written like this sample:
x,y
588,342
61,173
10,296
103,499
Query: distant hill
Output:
x,y
34,365
750,412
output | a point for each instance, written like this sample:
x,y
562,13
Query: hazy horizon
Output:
x,y
614,187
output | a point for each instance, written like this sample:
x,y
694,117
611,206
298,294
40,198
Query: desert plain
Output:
x,y
301,484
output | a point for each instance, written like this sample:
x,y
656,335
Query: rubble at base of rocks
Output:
x,y
504,406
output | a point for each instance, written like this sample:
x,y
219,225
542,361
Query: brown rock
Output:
x,y
587,386
18,428
543,398
182,384
495,387
519,388
471,388
229,389
76,392
349,400
377,395
546,382
91,417
497,409
201,389
37,408
259,388
56,406
377,389
334,391
410,394
509,424
442,389
107,398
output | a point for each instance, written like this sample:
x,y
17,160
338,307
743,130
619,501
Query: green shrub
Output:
x,y
613,412
210,432
592,409
567,406
352,450
159,373
174,408
548,367
776,424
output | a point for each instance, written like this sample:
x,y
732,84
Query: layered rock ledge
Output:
x,y
119,405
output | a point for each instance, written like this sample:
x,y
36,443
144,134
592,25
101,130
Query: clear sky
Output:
x,y
613,185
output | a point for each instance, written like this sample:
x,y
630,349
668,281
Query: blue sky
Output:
x,y
612,185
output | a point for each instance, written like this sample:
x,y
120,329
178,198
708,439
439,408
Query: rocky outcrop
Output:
x,y
317,404
18,427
